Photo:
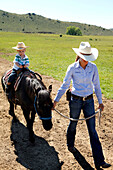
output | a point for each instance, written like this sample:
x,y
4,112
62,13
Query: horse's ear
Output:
x,y
37,90
50,88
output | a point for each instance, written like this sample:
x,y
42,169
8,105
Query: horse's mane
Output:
x,y
35,87
34,84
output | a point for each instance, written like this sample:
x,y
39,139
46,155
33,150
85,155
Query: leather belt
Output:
x,y
82,98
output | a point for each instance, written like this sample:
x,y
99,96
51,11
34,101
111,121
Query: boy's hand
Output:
x,y
26,65
21,66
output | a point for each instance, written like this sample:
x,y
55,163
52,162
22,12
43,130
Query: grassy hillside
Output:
x,y
51,55
31,22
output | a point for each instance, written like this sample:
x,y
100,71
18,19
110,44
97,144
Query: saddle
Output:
x,y
18,79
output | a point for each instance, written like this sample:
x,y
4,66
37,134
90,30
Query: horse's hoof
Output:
x,y
11,113
15,119
31,137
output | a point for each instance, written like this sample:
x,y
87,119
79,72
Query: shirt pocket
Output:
x,y
89,76
78,77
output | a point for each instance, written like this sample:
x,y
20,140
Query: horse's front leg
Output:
x,y
29,125
11,111
31,133
32,118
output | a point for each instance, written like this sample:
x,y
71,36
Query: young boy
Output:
x,y
21,61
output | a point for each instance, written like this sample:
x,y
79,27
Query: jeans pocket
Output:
x,y
72,101
75,103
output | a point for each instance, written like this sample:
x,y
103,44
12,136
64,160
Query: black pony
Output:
x,y
33,96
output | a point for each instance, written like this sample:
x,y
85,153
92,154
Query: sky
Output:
x,y
93,12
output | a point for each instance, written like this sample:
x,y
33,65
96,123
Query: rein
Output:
x,y
42,118
98,111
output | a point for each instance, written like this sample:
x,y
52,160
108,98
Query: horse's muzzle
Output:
x,y
47,124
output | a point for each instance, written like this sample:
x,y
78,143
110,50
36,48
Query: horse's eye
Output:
x,y
46,105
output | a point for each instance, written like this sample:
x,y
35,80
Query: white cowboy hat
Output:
x,y
20,46
86,52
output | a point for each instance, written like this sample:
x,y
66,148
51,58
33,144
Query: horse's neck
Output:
x,y
33,85
29,87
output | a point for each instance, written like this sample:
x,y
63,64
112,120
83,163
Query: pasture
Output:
x,y
51,54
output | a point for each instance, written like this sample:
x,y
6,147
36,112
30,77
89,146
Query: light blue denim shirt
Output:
x,y
84,81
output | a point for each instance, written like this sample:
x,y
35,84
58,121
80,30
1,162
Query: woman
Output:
x,y
85,79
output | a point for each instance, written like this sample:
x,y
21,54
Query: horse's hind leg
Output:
x,y
26,115
29,125
11,111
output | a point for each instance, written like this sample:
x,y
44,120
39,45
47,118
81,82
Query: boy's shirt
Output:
x,y
21,61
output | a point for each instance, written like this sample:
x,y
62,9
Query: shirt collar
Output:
x,y
89,64
20,56
77,64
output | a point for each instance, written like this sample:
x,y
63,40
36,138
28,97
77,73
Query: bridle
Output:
x,y
42,118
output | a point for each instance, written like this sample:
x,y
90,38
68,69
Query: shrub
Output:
x,y
72,30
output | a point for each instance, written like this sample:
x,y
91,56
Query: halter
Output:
x,y
41,118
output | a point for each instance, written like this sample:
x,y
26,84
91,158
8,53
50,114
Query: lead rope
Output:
x,y
98,111
99,116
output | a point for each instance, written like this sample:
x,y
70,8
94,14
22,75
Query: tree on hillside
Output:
x,y
72,30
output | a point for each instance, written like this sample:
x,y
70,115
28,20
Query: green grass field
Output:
x,y
51,54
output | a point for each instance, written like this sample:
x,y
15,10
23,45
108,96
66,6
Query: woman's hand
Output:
x,y
54,105
101,106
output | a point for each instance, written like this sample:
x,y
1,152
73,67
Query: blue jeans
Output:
x,y
88,109
12,76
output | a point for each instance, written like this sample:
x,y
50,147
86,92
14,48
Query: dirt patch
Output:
x,y
7,54
50,150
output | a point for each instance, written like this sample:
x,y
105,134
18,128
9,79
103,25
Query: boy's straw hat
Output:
x,y
86,52
20,46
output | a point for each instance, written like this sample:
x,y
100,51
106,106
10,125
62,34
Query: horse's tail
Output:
x,y
5,78
2,82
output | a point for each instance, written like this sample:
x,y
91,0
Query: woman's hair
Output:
x,y
77,58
